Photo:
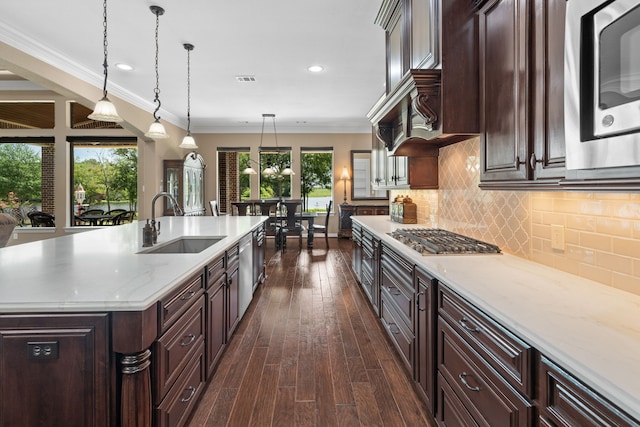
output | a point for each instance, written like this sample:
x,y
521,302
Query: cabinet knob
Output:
x,y
463,323
192,391
518,162
533,161
188,340
188,296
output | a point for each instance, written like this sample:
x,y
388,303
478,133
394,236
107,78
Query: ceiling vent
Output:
x,y
245,79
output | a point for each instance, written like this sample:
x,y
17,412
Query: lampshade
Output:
x,y
287,171
156,131
268,171
105,111
345,173
188,142
249,171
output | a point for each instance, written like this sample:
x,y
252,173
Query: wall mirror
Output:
x,y
361,188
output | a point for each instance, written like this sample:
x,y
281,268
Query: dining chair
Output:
x,y
215,210
269,208
290,225
41,219
320,228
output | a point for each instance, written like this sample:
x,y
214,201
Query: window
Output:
x,y
277,185
316,182
244,161
107,170
26,176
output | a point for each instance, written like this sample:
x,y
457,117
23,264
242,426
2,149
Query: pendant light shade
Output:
x,y
188,142
249,171
156,130
104,110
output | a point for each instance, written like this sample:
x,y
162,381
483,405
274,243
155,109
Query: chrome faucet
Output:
x,y
176,211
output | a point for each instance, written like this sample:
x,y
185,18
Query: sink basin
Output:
x,y
184,245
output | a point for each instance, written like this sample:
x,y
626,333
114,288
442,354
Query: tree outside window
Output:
x,y
278,185
108,175
316,182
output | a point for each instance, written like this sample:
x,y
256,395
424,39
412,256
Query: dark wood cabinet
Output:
x,y
216,325
397,302
486,367
521,68
425,366
45,359
345,211
566,401
370,269
232,302
259,248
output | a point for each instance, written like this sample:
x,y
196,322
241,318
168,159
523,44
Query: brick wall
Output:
x,y
228,180
48,178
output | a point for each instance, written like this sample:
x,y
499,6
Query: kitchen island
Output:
x,y
94,331
587,331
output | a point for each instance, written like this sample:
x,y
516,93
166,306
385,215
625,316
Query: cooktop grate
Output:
x,y
437,241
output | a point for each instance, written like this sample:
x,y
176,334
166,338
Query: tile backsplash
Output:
x,y
601,230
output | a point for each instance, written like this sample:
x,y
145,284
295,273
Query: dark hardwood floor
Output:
x,y
310,352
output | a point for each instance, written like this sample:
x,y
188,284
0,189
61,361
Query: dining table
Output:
x,y
96,219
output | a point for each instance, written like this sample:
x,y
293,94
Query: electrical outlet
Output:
x,y
15,236
557,237
46,350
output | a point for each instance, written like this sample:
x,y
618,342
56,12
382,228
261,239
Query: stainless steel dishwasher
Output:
x,y
245,286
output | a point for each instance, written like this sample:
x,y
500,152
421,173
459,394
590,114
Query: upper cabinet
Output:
x,y
431,99
521,69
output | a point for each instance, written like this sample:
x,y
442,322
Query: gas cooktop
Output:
x,y
429,241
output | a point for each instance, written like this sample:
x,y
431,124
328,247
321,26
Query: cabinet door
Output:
x,y
258,256
504,77
548,157
378,163
402,171
55,371
216,326
425,367
233,308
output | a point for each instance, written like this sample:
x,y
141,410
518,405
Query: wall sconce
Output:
x,y
345,177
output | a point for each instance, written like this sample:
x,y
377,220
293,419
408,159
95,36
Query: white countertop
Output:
x,y
101,269
590,329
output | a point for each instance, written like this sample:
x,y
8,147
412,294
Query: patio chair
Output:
x,y
41,219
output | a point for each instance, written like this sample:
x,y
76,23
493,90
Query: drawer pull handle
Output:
x,y
397,331
463,378
391,288
192,391
418,301
188,295
188,341
463,323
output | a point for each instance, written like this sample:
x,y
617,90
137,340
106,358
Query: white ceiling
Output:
x,y
274,41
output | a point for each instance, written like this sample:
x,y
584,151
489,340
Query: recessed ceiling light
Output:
x,y
315,68
124,67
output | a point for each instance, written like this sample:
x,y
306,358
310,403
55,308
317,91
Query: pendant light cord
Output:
x,y
104,43
157,88
189,48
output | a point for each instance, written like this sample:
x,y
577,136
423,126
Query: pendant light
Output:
x,y
156,130
188,141
104,110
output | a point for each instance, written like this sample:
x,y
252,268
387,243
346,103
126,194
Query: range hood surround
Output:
x,y
409,119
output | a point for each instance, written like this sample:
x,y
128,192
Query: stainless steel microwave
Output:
x,y
602,83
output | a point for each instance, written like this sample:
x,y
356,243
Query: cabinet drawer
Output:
x,y
176,347
214,270
400,269
367,283
505,352
175,409
488,398
177,302
566,401
233,254
451,411
400,334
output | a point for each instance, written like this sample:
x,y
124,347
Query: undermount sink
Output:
x,y
184,245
